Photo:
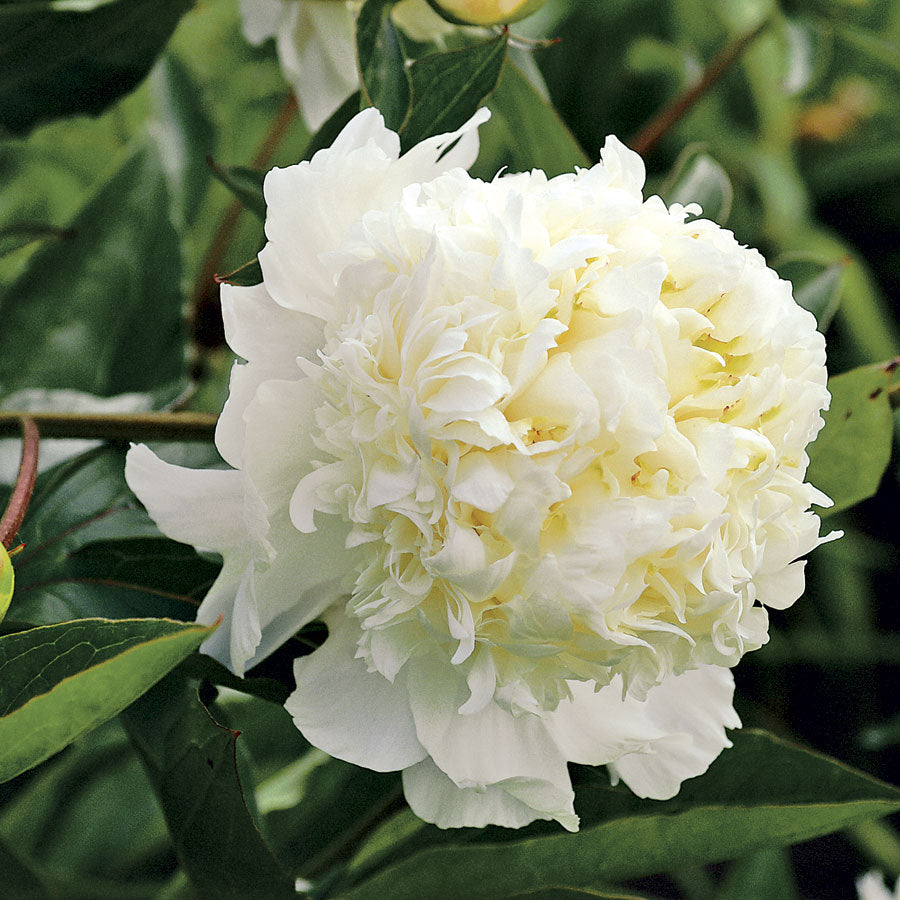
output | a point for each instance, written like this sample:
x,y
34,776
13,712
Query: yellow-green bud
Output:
x,y
485,12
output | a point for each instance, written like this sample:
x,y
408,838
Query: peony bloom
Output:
x,y
533,449
316,42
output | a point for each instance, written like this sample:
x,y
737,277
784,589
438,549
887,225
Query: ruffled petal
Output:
x,y
349,712
513,803
480,748
691,712
359,173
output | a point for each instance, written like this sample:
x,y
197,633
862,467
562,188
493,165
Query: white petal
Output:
x,y
260,330
484,747
348,712
692,712
202,507
432,796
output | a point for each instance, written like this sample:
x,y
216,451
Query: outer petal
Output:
x,y
202,507
513,803
691,712
349,712
271,338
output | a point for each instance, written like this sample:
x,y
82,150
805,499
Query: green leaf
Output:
x,y
525,131
817,283
382,63
57,62
60,681
101,312
766,873
850,455
63,819
698,178
184,134
447,88
247,275
763,792
191,763
246,184
90,551
14,237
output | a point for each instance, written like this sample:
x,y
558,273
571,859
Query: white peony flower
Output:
x,y
316,43
533,449
871,886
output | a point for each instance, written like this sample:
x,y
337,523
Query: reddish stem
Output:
x,y
649,136
24,487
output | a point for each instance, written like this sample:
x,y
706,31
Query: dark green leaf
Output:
x,y
59,681
447,88
698,178
525,132
848,458
246,184
101,312
14,237
57,62
184,133
767,873
64,818
248,274
191,762
817,283
382,63
90,551
205,668
761,793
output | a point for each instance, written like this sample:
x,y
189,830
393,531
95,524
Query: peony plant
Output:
x,y
421,518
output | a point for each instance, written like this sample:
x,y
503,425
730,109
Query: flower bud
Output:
x,y
485,12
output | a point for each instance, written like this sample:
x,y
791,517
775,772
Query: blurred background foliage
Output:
x,y
801,143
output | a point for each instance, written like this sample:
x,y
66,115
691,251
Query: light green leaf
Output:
x,y
851,453
58,62
101,311
447,88
59,681
184,135
764,792
7,581
698,178
190,759
382,63
817,283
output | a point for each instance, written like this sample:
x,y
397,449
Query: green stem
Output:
x,y
159,426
